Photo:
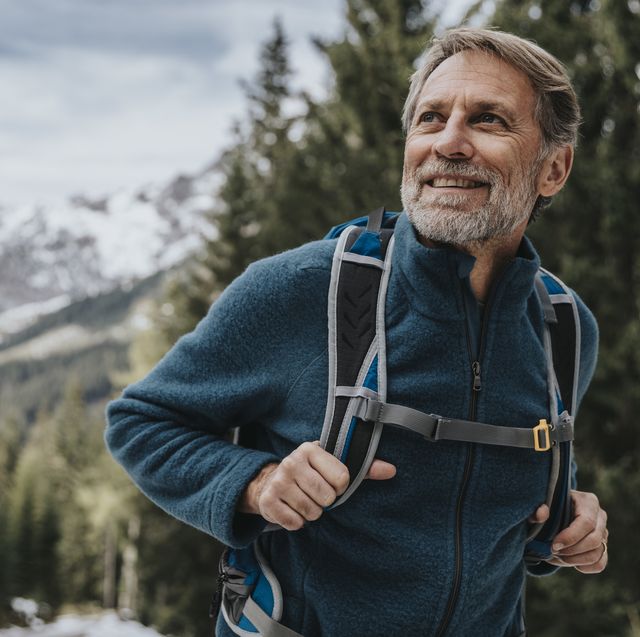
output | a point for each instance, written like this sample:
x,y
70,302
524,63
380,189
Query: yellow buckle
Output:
x,y
542,426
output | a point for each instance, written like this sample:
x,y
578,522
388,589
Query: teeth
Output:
x,y
454,183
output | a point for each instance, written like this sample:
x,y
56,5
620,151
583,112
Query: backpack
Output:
x,y
357,411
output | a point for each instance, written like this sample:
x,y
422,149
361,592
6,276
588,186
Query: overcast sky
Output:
x,y
96,95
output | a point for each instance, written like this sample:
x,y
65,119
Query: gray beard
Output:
x,y
442,220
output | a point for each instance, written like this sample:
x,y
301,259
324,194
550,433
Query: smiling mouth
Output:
x,y
447,182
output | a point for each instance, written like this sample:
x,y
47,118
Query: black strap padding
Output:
x,y
560,519
357,300
357,452
340,407
563,346
561,507
356,310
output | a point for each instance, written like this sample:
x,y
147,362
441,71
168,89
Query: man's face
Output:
x,y
471,155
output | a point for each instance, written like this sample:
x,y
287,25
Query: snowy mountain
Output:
x,y
52,255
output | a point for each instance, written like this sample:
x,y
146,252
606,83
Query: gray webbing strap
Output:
x,y
388,414
359,258
434,427
267,627
374,222
568,297
545,300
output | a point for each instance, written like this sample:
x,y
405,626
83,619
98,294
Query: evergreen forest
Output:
x,y
74,532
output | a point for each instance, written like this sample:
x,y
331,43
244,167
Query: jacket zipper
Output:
x,y
476,386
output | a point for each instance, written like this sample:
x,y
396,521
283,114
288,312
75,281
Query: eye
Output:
x,y
429,117
489,118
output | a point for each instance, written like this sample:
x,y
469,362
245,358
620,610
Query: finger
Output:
x,y
591,542
281,513
586,559
589,563
541,515
597,559
316,487
556,561
282,488
586,513
596,567
302,504
381,470
327,465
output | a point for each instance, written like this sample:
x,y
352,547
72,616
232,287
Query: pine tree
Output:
x,y
10,429
33,521
372,64
349,156
255,169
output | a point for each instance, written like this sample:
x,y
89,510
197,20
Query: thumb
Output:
x,y
541,515
381,470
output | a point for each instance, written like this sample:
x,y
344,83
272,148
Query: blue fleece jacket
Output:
x,y
439,545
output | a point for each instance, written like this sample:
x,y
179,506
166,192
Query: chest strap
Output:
x,y
433,427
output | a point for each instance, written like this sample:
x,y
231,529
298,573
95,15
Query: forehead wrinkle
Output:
x,y
476,75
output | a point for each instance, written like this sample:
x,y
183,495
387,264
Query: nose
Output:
x,y
453,140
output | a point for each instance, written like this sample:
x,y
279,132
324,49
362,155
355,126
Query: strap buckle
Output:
x,y
369,410
438,421
541,437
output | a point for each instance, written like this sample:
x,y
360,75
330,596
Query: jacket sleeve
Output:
x,y
170,430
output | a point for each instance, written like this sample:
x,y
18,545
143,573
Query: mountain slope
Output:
x,y
50,256
85,342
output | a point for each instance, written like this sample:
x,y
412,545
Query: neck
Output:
x,y
492,256
490,262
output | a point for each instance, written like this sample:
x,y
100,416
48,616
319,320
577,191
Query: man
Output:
x,y
433,543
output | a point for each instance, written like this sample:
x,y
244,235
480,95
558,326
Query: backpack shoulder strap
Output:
x,y
565,338
356,320
562,347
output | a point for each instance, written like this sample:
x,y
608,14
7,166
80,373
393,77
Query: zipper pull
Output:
x,y
475,368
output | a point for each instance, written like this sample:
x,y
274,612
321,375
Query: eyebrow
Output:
x,y
482,106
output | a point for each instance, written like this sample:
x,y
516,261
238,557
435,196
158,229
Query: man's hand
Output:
x,y
299,488
583,544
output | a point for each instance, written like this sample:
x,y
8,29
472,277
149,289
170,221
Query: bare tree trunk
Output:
x,y
110,559
634,620
128,598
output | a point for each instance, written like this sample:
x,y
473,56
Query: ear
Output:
x,y
555,171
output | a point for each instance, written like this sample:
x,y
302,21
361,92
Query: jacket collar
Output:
x,y
433,278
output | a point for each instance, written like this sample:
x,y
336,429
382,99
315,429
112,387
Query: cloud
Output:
x,y
182,29
99,94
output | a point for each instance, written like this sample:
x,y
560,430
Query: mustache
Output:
x,y
460,168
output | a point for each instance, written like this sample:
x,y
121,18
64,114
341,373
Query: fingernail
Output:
x,y
557,547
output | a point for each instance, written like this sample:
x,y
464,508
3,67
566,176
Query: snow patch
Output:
x,y
63,339
21,317
105,625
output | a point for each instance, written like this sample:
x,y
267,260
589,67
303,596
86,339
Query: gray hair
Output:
x,y
557,111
